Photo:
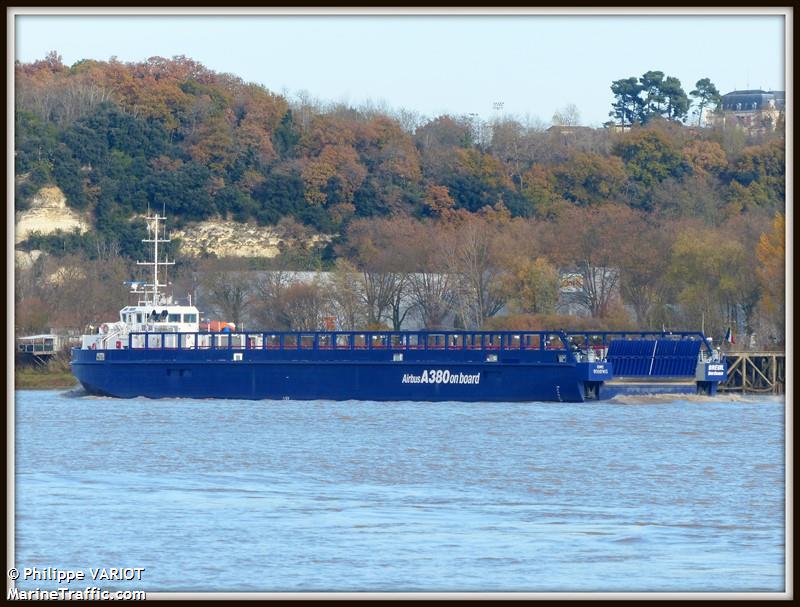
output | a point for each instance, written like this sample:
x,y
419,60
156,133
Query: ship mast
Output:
x,y
151,289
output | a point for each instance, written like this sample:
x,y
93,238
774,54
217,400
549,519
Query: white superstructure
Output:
x,y
155,311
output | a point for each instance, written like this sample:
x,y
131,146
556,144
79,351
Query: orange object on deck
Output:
x,y
217,326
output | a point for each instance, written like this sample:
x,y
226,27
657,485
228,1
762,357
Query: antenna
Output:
x,y
152,291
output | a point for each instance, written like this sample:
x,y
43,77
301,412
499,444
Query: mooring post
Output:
x,y
774,374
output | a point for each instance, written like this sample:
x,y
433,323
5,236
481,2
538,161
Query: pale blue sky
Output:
x,y
534,64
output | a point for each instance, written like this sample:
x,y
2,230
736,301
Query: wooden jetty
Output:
x,y
755,372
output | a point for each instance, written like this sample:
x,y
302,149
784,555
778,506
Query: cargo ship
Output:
x,y
160,349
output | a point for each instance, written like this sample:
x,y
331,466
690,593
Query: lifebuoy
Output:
x,y
119,345
104,328
94,346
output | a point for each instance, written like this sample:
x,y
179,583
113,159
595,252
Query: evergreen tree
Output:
x,y
706,95
627,104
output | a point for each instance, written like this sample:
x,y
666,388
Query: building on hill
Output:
x,y
752,110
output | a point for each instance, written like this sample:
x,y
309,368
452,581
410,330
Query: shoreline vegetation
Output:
x,y
55,374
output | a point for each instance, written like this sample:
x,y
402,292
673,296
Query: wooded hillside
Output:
x,y
169,133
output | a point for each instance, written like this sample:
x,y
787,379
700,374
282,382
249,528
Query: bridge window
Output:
x,y
174,318
190,318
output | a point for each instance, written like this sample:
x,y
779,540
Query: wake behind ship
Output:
x,y
157,349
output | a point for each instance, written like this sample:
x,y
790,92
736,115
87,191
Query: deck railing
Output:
x,y
352,341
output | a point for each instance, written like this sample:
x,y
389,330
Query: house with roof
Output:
x,y
752,110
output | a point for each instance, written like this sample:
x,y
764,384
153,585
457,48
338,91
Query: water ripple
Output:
x,y
650,493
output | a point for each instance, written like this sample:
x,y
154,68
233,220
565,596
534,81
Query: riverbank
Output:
x,y
56,374
42,379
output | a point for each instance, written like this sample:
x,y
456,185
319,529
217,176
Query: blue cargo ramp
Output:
x,y
654,357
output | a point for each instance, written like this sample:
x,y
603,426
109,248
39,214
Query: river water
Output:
x,y
635,494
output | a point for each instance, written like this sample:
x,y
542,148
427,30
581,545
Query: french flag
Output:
x,y
729,336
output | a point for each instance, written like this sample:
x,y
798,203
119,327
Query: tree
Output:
x,y
516,146
593,250
590,178
653,95
345,296
333,176
677,101
268,299
533,286
643,261
758,178
437,201
226,293
286,136
705,157
540,191
476,258
569,115
654,98
476,180
706,95
650,157
708,274
771,254
430,284
304,305
367,246
700,196
627,107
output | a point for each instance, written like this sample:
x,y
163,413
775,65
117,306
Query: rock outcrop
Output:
x,y
24,260
48,212
231,239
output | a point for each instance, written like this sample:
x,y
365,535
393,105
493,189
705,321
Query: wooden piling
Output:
x,y
755,372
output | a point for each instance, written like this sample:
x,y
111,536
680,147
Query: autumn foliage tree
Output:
x,y
771,254
433,218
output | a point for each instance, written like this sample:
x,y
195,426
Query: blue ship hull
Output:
x,y
272,375
448,366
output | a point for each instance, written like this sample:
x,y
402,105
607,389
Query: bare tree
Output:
x,y
303,307
345,295
268,299
594,249
430,285
371,245
226,292
569,115
475,261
